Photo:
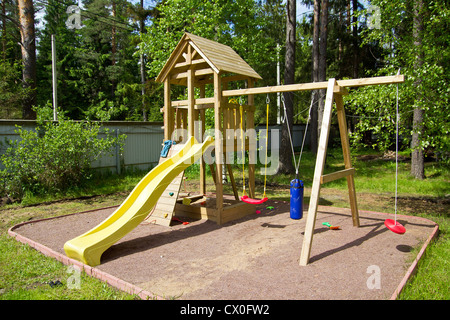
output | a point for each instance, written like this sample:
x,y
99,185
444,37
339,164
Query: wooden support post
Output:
x,y
318,171
337,175
202,132
191,94
233,182
347,159
218,144
168,111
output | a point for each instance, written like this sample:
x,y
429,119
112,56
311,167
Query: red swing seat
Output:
x,y
246,199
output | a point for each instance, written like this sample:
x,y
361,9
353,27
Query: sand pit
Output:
x,y
255,257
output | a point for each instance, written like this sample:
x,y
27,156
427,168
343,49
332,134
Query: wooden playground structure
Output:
x,y
196,62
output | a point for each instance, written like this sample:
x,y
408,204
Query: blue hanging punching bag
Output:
x,y
296,199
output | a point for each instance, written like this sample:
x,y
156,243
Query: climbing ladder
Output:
x,y
163,211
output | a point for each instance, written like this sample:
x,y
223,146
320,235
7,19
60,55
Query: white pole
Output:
x,y
54,78
278,83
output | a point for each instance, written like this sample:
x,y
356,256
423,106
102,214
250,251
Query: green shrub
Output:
x,y
54,158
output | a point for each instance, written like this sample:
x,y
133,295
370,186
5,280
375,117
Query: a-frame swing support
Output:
x,y
197,61
319,178
335,92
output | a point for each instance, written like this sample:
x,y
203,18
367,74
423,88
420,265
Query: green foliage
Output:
x,y
96,79
12,92
251,28
54,158
426,85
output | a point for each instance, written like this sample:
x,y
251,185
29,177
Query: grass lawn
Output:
x,y
25,273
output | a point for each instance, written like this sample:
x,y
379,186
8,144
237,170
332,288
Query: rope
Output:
x,y
297,164
241,110
267,143
396,158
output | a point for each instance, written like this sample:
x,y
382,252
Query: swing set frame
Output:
x,y
197,61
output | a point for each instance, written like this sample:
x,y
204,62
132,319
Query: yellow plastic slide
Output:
x,y
89,246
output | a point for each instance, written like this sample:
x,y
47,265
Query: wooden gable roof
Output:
x,y
219,57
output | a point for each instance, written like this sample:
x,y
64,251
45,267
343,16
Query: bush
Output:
x,y
54,158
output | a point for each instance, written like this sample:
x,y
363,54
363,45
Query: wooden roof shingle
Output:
x,y
220,57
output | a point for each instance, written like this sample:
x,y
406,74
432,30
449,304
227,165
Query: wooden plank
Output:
x,y
251,153
237,211
315,86
336,175
236,77
347,158
202,132
167,199
198,101
218,144
197,73
233,183
193,62
318,171
195,212
274,89
372,81
191,97
163,211
168,111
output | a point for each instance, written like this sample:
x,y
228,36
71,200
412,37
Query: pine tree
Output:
x,y
69,99
28,43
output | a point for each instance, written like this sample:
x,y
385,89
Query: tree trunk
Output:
x,y
285,165
113,47
27,32
142,69
417,156
322,60
355,41
4,30
315,78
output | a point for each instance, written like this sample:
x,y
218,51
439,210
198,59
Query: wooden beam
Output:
x,y
252,149
372,81
320,163
168,112
202,132
191,93
336,175
193,62
198,101
218,144
316,86
274,89
347,158
236,77
197,73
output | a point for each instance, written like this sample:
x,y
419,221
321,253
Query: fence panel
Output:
x,y
142,145
141,149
